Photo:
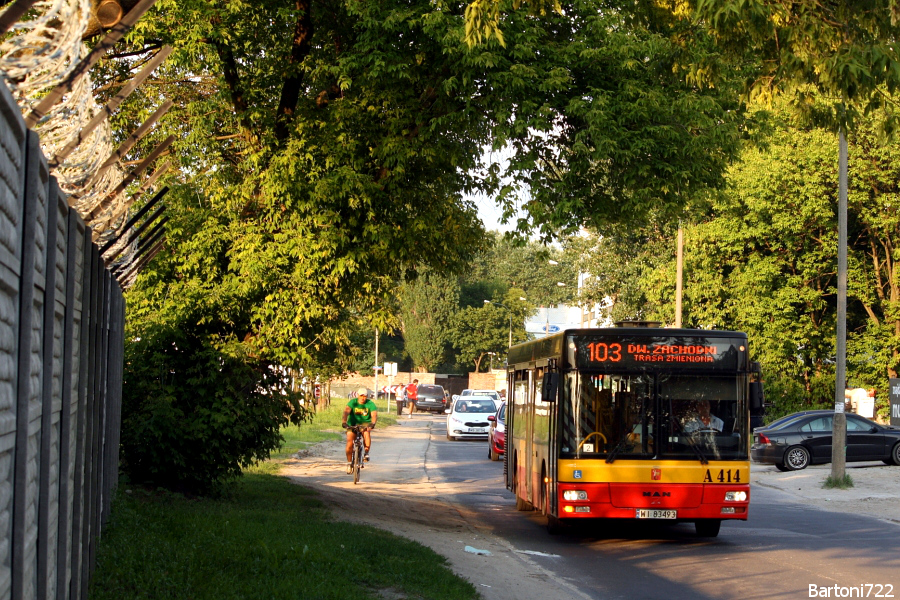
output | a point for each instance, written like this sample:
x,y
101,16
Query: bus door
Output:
x,y
533,381
550,408
517,428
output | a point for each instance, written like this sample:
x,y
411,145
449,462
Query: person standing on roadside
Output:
x,y
412,394
359,411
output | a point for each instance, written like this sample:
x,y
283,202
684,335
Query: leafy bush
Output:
x,y
787,395
196,409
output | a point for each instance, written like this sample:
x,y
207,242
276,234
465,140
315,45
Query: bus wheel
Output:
x,y
708,527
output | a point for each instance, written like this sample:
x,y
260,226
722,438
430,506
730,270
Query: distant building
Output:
x,y
563,316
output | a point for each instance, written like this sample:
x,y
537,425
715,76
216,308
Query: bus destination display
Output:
x,y
636,351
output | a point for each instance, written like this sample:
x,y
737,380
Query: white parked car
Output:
x,y
468,417
490,393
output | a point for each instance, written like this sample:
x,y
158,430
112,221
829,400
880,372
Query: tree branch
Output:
x,y
232,79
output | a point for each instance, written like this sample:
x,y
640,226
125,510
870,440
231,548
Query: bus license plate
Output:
x,y
643,513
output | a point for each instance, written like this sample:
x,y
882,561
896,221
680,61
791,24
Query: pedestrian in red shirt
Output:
x,y
412,394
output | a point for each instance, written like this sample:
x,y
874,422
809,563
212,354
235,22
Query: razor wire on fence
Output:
x,y
39,56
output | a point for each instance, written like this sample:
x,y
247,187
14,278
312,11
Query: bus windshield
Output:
x,y
653,415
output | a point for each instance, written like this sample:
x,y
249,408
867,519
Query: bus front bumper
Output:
x,y
645,501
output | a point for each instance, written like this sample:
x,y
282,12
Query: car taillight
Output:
x,y
762,439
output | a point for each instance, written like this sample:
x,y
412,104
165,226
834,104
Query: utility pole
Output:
x,y
679,270
839,423
376,365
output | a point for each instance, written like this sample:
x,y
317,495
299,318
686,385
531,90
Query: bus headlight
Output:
x,y
735,496
574,495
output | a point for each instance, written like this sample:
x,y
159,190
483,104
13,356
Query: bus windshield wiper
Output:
x,y
612,455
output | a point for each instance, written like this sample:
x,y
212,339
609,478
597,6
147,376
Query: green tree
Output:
x,y
427,308
509,262
630,266
609,127
478,331
805,50
766,262
319,164
325,150
844,51
873,280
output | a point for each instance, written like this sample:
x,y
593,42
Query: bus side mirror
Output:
x,y
550,387
757,398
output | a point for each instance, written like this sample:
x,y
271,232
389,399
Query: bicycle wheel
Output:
x,y
357,462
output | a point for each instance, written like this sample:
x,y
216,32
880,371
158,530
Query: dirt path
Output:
x,y
400,497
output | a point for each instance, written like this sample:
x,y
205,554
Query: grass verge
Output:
x,y
266,538
842,483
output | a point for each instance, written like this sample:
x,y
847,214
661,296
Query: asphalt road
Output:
x,y
782,550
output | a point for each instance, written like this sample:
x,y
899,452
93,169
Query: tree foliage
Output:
x,y
427,308
320,160
478,331
842,51
325,148
511,263
607,126
763,260
630,267
195,409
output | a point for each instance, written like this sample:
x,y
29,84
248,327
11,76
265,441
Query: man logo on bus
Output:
x,y
655,473
657,494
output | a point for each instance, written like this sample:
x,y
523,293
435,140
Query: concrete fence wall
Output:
x,y
61,348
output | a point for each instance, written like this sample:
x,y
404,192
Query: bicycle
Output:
x,y
357,455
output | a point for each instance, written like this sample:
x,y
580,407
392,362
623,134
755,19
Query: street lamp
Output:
x,y
492,355
510,318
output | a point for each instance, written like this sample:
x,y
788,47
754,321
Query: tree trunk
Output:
x,y
293,81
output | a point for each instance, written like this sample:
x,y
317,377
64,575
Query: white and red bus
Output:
x,y
632,423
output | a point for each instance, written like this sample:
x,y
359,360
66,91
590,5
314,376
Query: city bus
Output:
x,y
632,422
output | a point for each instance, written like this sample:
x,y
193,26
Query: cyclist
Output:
x,y
359,411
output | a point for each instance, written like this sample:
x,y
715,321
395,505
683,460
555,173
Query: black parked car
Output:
x,y
431,397
796,441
